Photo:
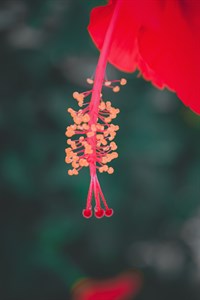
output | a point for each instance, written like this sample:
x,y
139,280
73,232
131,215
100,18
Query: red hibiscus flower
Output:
x,y
159,37
120,288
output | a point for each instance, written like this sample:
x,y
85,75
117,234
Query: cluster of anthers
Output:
x,y
91,144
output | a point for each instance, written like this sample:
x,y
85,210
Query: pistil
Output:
x,y
94,147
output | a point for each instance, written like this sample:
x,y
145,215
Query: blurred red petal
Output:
x,y
120,288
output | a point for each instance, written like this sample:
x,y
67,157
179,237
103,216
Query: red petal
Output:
x,y
124,50
169,42
172,51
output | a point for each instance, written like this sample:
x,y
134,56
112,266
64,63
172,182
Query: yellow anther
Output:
x,y
104,142
70,172
89,147
99,127
102,105
84,143
68,150
116,127
116,89
108,104
93,127
99,136
75,157
73,145
104,159
75,172
106,148
108,157
111,128
80,103
68,160
106,133
81,97
113,146
86,163
112,136
78,96
75,164
107,120
114,111
114,155
90,134
83,162
107,83
88,151
90,80
85,126
110,170
113,116
73,127
101,169
69,133
86,118
80,112
123,81
77,120
71,111
105,167
75,95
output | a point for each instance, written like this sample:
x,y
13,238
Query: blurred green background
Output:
x,y
46,244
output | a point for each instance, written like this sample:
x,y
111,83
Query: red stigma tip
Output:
x,y
87,213
109,212
99,213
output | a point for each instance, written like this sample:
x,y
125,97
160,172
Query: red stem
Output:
x,y
99,78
